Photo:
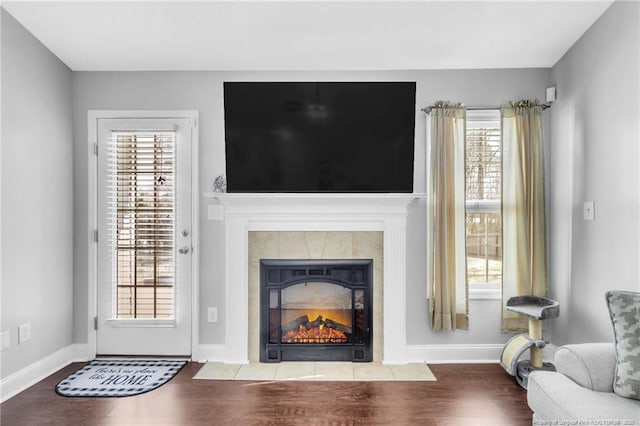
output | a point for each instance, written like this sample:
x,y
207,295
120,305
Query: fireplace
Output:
x,y
376,228
316,310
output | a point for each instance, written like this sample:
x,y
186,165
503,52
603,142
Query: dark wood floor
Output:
x,y
463,395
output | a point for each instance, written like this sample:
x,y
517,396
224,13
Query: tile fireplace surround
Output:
x,y
306,245
302,226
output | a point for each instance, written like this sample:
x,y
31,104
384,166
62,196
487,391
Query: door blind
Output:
x,y
143,219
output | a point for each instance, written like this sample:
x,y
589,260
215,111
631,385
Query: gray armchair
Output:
x,y
581,388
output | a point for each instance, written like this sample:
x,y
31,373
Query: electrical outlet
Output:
x,y
24,333
5,340
588,210
212,315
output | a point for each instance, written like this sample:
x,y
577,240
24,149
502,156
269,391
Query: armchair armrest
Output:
x,y
591,365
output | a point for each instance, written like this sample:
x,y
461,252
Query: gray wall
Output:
x,y
37,197
595,157
203,91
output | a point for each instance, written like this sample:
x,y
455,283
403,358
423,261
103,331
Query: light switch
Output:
x,y
588,210
212,315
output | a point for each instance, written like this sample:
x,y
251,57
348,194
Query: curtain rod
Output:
x,y
427,110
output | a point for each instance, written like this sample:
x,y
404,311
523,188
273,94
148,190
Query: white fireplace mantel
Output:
x,y
243,213
339,204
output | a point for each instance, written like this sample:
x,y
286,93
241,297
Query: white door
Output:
x,y
144,236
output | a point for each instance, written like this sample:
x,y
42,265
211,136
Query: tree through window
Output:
x,y
483,176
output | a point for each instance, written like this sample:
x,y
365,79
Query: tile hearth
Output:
x,y
316,371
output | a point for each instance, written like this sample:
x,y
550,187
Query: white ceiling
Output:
x,y
306,35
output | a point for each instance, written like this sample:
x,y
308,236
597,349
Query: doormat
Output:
x,y
119,377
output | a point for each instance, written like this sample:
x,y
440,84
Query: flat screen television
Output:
x,y
330,137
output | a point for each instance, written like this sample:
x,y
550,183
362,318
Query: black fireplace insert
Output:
x,y
316,310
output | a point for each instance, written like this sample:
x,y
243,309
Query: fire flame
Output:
x,y
320,334
343,316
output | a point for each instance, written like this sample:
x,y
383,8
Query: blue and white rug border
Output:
x,y
174,366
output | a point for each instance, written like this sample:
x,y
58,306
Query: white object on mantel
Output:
x,y
315,212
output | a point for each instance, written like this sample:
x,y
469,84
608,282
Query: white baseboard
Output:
x,y
465,354
454,354
435,354
32,374
213,353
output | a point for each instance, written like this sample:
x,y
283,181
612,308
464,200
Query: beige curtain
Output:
x,y
448,306
523,207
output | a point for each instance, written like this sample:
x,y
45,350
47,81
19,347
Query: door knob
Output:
x,y
183,250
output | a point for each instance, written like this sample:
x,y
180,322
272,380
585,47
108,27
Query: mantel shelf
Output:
x,y
315,195
223,196
364,203
339,206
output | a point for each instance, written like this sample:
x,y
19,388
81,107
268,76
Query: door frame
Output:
x,y
92,210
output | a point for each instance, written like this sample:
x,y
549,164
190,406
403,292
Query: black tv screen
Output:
x,y
337,137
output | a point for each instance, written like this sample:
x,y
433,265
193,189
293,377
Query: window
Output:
x,y
483,182
144,189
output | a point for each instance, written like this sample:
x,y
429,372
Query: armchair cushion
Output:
x,y
591,365
624,309
554,397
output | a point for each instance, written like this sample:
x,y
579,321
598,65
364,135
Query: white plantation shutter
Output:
x,y
142,223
